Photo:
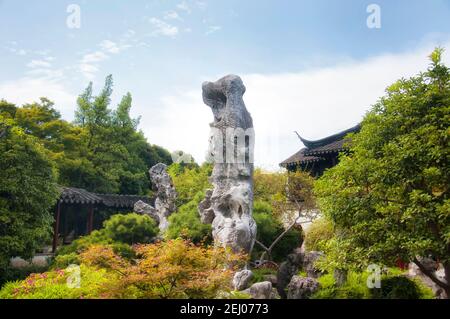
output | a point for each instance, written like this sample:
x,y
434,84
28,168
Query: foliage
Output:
x,y
13,274
394,285
189,180
131,228
267,186
320,231
119,232
354,288
185,223
269,228
172,269
260,273
103,151
398,287
54,285
289,193
389,197
27,193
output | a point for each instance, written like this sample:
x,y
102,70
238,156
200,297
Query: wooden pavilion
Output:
x,y
78,212
319,155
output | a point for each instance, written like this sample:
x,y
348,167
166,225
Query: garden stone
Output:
x,y
287,269
274,294
166,196
260,290
143,208
340,276
302,287
228,206
242,279
271,278
308,263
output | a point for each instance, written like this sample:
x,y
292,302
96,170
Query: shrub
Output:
x,y
131,228
354,288
393,286
260,273
94,283
119,233
28,191
189,180
320,230
269,228
172,269
185,223
398,287
21,273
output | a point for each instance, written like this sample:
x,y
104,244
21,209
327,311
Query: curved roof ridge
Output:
x,y
329,139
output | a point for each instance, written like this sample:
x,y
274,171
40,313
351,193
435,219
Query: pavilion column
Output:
x,y
90,219
56,226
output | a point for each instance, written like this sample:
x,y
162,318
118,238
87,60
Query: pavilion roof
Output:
x,y
315,151
71,195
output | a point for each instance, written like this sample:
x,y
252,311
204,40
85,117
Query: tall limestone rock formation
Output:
x,y
228,206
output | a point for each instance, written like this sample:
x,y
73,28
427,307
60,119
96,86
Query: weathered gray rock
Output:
x,y
274,294
242,279
302,287
308,263
272,279
228,207
287,269
340,276
260,290
415,272
166,195
145,209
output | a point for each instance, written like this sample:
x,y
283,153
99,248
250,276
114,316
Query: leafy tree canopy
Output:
x,y
28,190
389,197
102,151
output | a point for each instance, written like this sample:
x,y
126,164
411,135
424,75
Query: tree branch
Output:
x,y
262,245
430,275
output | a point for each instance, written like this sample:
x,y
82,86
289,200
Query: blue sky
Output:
x,y
162,50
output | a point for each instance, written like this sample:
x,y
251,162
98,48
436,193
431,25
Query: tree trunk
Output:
x,y
444,285
447,279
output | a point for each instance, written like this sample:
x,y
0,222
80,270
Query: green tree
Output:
x,y
131,228
27,192
389,197
189,180
116,155
269,229
185,223
290,198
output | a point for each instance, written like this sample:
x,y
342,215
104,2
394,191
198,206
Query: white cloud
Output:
x,y
212,29
163,28
28,90
88,70
201,5
172,15
114,48
183,6
94,57
39,64
317,103
88,65
109,46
